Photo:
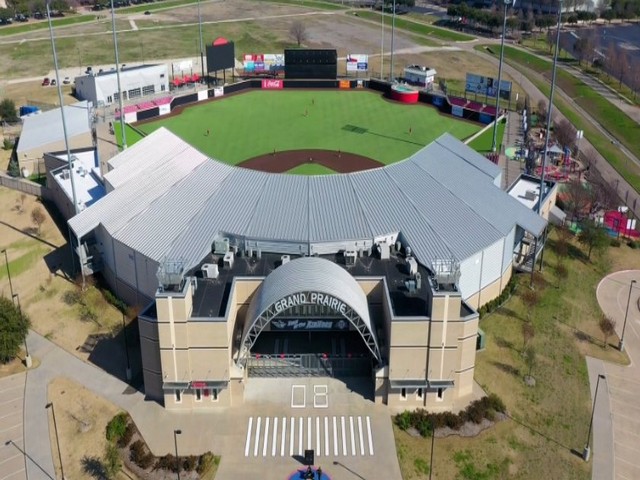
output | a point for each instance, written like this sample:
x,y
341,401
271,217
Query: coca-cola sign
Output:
x,y
272,84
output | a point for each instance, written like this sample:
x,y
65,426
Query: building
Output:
x,y
386,267
136,82
44,133
419,76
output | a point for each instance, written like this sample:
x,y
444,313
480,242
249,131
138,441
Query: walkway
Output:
x,y
366,429
616,437
12,461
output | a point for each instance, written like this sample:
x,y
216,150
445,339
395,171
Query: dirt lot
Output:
x,y
42,293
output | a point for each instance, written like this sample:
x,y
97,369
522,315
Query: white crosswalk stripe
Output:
x,y
327,435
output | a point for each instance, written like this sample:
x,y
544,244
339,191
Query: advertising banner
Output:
x,y
182,66
308,325
272,84
357,62
457,111
487,86
344,84
218,91
263,62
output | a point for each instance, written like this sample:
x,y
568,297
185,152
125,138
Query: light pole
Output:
x,y
126,346
382,43
175,441
55,427
115,49
549,110
433,441
201,48
27,358
393,35
495,119
586,453
626,313
6,262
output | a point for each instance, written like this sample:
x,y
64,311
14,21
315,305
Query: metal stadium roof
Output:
x,y
170,201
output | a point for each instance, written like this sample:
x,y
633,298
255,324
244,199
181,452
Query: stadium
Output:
x,y
241,273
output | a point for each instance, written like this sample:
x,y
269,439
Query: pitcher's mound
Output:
x,y
340,162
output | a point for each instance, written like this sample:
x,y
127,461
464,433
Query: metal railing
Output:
x,y
308,365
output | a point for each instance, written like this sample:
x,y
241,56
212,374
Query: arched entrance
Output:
x,y
309,317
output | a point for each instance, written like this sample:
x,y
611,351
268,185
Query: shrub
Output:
x,y
137,451
633,244
117,427
615,242
72,297
113,300
189,463
495,403
452,420
168,462
124,440
403,420
88,315
206,462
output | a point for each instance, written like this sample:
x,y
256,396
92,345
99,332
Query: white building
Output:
x,y
419,75
136,82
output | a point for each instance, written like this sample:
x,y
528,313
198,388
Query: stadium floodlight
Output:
x,y
201,46
507,3
64,122
393,34
382,44
115,48
549,110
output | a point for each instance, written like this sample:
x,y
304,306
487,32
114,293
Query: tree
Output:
x,y
593,237
620,66
37,217
565,133
528,332
530,359
577,198
542,110
530,299
299,32
14,326
607,327
8,110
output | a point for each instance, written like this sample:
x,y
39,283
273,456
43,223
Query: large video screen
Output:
x,y
220,57
487,86
307,63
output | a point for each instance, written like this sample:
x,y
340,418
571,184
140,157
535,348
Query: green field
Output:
x,y
311,169
484,142
257,122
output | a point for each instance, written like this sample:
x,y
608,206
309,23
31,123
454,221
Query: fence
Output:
x,y
308,365
23,185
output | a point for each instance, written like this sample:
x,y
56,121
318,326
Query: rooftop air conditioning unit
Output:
x,y
221,245
530,194
350,257
412,266
384,250
210,270
228,260
284,259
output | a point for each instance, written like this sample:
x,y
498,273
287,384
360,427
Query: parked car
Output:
x,y
46,82
66,80
89,70
147,12
53,82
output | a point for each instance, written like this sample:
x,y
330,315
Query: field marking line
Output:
x,y
353,437
335,437
266,437
247,442
360,436
318,447
284,434
344,437
370,436
326,436
257,442
308,433
274,440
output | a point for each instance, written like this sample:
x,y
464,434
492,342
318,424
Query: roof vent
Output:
x,y
210,270
284,259
530,194
350,257
220,245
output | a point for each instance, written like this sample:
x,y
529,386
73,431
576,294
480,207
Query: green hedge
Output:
x,y
498,301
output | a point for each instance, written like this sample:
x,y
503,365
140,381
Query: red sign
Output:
x,y
272,84
344,84
198,384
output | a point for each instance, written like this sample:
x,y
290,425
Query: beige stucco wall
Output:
x,y
33,159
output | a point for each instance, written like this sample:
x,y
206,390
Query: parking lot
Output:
x,y
12,466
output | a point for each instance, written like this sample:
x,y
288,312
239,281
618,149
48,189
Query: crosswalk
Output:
x,y
337,436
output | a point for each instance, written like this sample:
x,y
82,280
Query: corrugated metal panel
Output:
x,y
309,275
283,210
335,212
46,127
152,235
290,248
491,263
451,218
476,190
387,210
469,155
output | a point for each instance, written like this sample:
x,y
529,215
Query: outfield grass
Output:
x,y
484,142
257,122
420,28
132,134
311,169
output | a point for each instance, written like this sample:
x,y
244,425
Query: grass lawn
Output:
x,y
132,134
311,169
420,28
484,142
55,22
254,123
551,418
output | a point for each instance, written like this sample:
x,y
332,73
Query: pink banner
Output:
x,y
272,84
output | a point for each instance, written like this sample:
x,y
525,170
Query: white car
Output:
x,y
66,80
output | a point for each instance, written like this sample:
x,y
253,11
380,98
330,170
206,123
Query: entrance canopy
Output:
x,y
309,281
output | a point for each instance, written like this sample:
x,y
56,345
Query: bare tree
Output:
x,y
23,197
530,299
542,110
561,272
528,332
565,133
620,66
38,217
607,327
578,198
530,360
298,32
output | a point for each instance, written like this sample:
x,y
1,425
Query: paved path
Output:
x,y
12,460
258,423
617,419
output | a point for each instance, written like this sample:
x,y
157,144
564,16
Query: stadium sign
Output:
x,y
272,84
310,298
357,62
297,325
487,86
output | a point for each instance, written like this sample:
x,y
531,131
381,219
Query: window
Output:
x,y
162,87
135,93
116,96
440,394
403,394
178,394
198,394
214,394
162,75
109,99
419,394
149,90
